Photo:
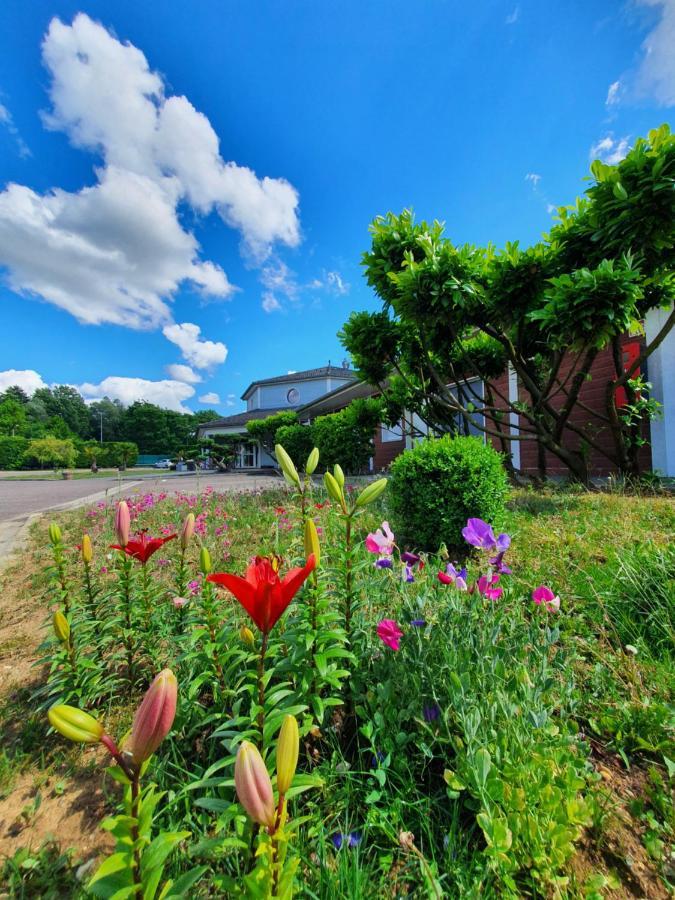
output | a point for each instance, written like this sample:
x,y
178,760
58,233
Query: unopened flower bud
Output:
x,y
61,627
339,475
87,551
312,461
204,561
54,534
371,492
187,530
154,717
253,785
246,636
122,523
333,488
312,541
288,747
75,724
287,465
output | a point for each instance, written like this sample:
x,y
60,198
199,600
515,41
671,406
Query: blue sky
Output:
x,y
185,189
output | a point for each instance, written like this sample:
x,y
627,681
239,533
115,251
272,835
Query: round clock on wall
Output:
x,y
293,396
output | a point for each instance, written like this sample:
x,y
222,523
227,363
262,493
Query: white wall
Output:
x,y
661,374
276,395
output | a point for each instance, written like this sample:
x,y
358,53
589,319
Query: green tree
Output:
x,y
147,426
453,314
67,403
112,413
264,431
13,418
52,450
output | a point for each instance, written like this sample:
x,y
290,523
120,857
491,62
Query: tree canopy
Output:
x,y
452,313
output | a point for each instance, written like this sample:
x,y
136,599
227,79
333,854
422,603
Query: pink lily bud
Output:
x,y
187,530
253,785
122,523
154,717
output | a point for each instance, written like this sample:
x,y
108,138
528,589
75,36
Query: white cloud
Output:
x,y
270,302
201,354
613,93
656,74
551,208
179,372
168,394
28,379
211,397
8,122
513,17
116,251
533,178
609,150
230,400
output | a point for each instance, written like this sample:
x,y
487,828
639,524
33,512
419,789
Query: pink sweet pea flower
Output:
x,y
454,576
179,602
485,587
545,595
389,633
381,541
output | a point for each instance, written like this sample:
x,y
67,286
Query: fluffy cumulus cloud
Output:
x,y
610,150
231,398
201,354
28,379
168,394
116,251
211,397
656,75
179,372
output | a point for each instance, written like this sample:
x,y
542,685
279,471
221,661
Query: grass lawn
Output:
x,y
502,750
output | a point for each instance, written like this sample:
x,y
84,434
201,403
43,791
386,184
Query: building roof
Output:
x,y
241,418
336,399
307,375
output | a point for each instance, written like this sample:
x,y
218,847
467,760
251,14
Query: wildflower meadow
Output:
x,y
277,697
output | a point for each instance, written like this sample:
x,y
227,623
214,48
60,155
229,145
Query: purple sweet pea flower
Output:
x,y
454,576
408,574
419,623
376,759
384,563
410,558
499,564
353,839
431,712
479,534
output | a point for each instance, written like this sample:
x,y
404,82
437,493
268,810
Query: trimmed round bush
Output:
x,y
435,487
297,441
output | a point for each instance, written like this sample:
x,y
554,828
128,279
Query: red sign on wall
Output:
x,y
630,351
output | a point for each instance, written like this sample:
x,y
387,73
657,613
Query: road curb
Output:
x,y
14,532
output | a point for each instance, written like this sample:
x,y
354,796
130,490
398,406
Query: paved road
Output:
x,y
21,501
20,498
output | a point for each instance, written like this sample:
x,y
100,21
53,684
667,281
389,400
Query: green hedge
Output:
x,y
435,487
297,441
108,454
12,450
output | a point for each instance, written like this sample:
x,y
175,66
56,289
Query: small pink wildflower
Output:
x,y
544,595
485,587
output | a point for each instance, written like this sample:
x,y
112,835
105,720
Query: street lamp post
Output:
x,y
100,415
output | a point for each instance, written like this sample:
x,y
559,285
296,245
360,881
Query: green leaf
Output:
x,y
482,764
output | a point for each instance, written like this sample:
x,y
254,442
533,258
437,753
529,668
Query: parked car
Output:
x,y
162,464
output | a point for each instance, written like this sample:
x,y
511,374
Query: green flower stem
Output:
x,y
135,810
89,590
261,685
128,633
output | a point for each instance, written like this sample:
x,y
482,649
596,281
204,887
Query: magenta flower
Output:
x,y
381,541
544,595
485,587
479,534
456,577
389,633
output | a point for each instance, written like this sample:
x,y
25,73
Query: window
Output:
x,y
468,397
393,433
293,396
247,456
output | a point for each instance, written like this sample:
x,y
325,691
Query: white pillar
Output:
x,y
661,375
513,417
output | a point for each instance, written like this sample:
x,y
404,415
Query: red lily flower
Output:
x,y
262,593
142,547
